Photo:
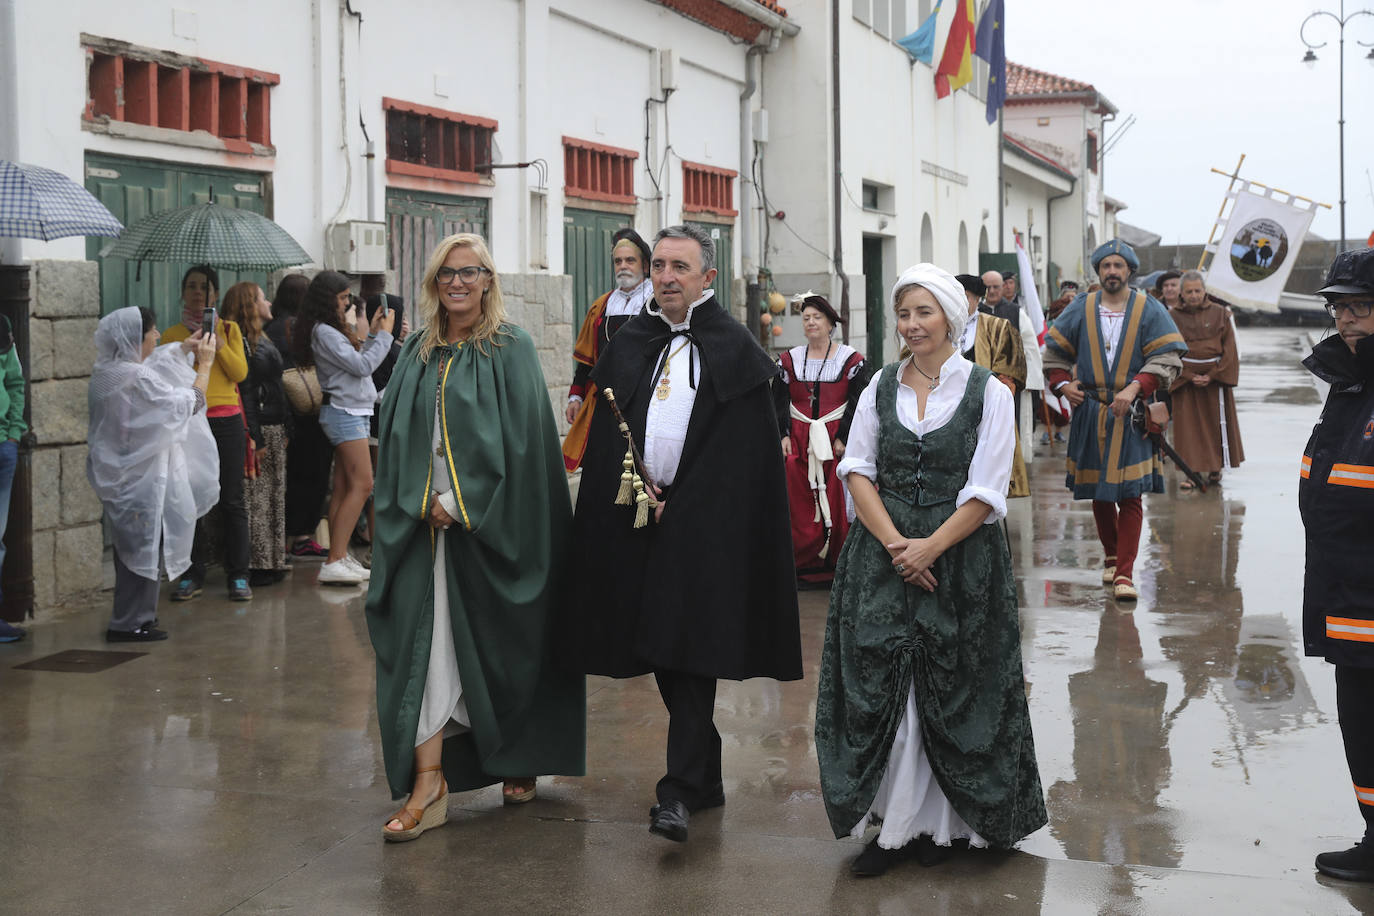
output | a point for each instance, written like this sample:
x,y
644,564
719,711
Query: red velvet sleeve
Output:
x,y
1148,383
1055,377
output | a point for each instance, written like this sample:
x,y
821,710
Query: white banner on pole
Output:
x,y
1258,248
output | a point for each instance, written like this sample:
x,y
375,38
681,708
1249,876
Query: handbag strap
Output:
x,y
305,380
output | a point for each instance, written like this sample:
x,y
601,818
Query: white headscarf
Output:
x,y
947,291
153,462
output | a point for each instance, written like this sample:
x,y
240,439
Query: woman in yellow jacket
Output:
x,y
199,291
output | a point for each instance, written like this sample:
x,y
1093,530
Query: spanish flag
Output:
x,y
956,65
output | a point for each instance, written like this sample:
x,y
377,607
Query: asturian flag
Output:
x,y
956,64
991,45
920,44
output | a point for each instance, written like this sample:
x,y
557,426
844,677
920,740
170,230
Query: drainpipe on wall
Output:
x,y
748,204
9,107
837,178
1049,238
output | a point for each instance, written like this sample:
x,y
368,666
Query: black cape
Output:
x,y
711,590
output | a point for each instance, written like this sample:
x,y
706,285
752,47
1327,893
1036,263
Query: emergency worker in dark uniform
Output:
x,y
1336,497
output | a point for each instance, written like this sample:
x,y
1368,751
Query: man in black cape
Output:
x,y
707,588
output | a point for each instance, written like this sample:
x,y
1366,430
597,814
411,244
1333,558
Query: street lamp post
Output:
x,y
1310,58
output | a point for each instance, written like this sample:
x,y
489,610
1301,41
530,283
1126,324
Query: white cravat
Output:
x,y
665,426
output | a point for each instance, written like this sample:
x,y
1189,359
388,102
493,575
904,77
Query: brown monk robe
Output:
x,y
1206,432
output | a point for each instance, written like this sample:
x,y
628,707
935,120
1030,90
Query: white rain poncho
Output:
x,y
153,462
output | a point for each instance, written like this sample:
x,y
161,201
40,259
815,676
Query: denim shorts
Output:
x,y
341,426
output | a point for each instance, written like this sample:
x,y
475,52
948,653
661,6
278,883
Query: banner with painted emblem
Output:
x,y
1259,246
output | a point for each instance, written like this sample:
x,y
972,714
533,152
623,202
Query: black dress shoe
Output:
x,y
145,633
669,820
928,853
875,860
1353,864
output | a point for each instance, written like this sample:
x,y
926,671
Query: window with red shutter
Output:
x,y
708,189
594,171
163,89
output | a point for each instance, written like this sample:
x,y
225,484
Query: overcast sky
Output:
x,y
1208,80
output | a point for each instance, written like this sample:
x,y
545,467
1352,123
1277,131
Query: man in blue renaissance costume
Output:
x,y
1106,350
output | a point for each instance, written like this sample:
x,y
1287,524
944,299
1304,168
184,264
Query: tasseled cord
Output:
x,y
632,492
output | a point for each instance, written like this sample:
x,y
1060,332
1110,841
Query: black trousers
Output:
x,y
693,776
308,457
1355,708
232,440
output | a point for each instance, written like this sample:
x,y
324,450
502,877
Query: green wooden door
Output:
x,y
415,224
874,307
724,283
587,255
134,188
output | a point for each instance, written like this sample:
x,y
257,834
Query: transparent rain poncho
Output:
x,y
153,461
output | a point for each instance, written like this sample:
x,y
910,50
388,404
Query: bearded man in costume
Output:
x,y
608,314
1123,345
703,586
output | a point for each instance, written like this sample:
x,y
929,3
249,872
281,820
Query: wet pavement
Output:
x,y
1189,753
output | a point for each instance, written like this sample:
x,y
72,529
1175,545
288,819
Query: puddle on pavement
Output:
x,y
1295,394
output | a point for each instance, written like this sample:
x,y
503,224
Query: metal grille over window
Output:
x,y
432,143
593,171
707,189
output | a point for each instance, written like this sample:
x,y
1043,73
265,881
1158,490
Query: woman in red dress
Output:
x,y
818,386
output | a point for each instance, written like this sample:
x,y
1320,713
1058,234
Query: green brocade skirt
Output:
x,y
961,646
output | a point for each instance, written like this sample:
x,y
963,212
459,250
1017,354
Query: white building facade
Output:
x,y
1062,122
917,174
543,125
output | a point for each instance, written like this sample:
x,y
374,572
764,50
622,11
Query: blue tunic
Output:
x,y
1108,460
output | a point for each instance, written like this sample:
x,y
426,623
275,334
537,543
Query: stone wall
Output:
x,y
543,305
68,543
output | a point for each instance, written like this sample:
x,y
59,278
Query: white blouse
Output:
x,y
827,369
989,474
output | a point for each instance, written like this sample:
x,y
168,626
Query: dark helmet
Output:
x,y
1351,273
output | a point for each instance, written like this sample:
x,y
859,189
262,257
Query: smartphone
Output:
x,y
207,321
385,308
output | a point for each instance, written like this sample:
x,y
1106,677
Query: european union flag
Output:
x,y
920,44
991,45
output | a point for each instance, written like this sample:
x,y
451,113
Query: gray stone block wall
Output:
x,y
542,304
68,542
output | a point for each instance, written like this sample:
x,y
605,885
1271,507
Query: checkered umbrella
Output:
x,y
38,203
209,234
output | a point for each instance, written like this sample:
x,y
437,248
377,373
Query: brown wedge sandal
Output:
x,y
515,792
415,821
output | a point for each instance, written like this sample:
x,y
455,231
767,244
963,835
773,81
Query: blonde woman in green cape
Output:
x,y
473,519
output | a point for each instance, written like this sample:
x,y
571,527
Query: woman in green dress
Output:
x,y
473,521
921,719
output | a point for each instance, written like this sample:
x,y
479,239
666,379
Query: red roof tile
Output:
x,y
775,7
1026,86
1023,80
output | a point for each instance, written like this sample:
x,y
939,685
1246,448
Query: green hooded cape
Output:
x,y
505,564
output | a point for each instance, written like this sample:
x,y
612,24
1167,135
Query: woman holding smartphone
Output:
x,y
321,338
199,296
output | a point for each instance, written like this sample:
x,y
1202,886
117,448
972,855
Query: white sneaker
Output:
x,y
357,567
340,572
